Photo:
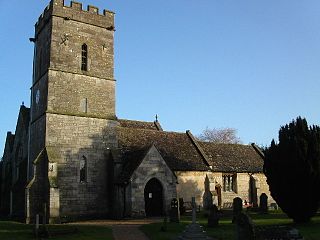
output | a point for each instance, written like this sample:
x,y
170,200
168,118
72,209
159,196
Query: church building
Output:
x,y
70,155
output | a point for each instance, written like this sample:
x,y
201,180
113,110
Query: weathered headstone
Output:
x,y
174,211
213,219
263,203
274,206
244,227
194,207
237,207
182,208
36,229
43,232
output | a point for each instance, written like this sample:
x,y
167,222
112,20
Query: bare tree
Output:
x,y
219,135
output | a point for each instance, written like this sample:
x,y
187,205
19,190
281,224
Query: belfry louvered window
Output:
x,y
84,57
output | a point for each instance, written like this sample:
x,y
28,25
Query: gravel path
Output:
x,y
128,232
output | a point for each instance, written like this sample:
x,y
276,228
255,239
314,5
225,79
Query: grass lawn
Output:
x,y
225,230
16,231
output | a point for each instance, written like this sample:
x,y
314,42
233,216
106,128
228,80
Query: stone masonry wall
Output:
x,y
37,188
68,36
263,186
67,91
71,90
37,143
243,187
40,88
191,184
70,138
152,166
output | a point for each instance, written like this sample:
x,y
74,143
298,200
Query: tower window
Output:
x,y
83,169
84,57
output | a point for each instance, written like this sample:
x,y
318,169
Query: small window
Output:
x,y
84,105
84,57
83,169
229,182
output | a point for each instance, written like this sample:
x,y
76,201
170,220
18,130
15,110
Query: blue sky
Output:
x,y
250,65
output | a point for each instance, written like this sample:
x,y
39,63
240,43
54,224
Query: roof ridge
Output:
x,y
229,144
121,119
153,130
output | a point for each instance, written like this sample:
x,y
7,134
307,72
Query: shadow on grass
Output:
x,y
19,231
226,230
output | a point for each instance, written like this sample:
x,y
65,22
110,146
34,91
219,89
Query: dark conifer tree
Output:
x,y
292,167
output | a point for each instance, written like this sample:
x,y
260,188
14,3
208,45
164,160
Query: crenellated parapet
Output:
x,y
75,12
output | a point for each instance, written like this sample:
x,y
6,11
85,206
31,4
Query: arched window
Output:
x,y
84,57
83,169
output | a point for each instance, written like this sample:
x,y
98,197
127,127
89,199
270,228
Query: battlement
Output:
x,y
76,12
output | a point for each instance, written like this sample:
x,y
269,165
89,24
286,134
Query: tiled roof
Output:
x,y
232,157
140,124
132,159
177,149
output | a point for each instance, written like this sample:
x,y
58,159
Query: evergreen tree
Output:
x,y
292,167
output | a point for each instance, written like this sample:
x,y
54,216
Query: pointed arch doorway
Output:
x,y
153,198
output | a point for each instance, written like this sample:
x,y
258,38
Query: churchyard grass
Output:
x,y
225,230
12,230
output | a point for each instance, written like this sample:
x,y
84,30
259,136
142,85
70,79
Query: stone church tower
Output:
x,y
72,127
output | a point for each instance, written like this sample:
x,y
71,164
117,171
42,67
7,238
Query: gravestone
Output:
x,y
213,219
174,211
194,207
237,207
36,229
44,231
194,231
182,208
41,231
277,232
244,227
263,203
